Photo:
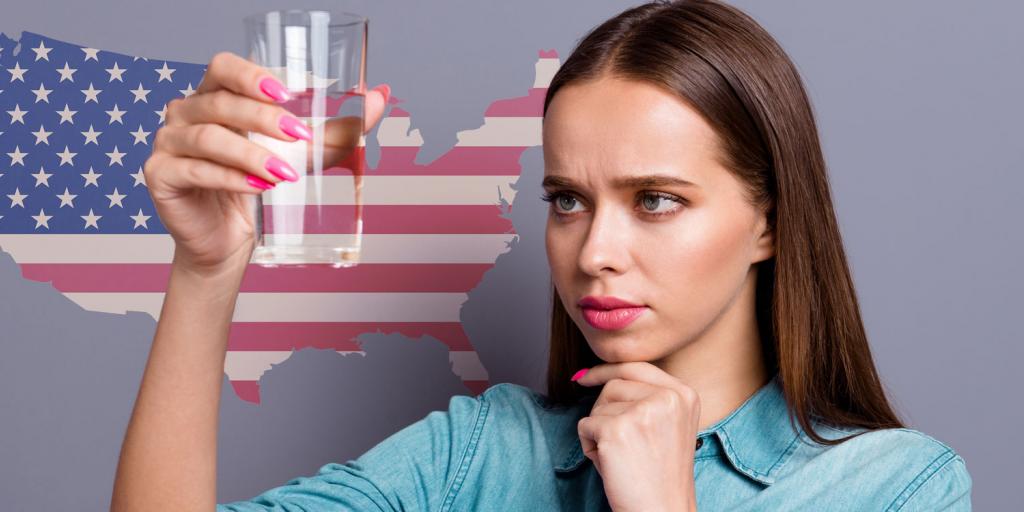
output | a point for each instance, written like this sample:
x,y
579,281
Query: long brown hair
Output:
x,y
726,66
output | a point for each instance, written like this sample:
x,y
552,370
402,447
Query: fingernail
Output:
x,y
276,90
259,183
281,169
292,126
579,374
384,89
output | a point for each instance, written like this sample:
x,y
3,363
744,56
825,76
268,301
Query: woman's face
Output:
x,y
682,251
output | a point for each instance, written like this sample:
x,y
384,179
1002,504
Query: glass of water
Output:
x,y
320,57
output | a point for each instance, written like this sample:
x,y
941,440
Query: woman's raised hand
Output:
x,y
203,165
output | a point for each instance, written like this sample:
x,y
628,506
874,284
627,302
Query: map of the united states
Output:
x,y
431,231
313,352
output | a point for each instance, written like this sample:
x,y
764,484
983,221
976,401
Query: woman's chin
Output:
x,y
616,350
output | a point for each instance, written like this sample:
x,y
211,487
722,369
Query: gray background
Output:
x,y
919,110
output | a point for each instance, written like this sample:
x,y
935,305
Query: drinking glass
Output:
x,y
320,57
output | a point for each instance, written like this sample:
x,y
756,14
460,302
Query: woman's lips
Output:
x,y
610,319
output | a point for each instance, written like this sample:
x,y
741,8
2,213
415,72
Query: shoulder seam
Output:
x,y
926,436
926,474
468,454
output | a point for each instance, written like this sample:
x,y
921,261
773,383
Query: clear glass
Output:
x,y
320,57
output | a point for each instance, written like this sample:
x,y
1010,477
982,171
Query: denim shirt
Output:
x,y
509,449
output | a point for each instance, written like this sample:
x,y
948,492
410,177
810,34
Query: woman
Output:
x,y
700,287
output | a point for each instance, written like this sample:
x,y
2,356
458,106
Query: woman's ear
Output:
x,y
764,246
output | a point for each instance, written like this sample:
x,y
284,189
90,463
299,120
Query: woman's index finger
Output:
x,y
234,73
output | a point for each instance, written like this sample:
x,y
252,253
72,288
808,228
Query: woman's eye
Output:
x,y
650,201
562,201
566,202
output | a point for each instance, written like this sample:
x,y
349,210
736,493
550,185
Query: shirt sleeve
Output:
x,y
416,468
948,488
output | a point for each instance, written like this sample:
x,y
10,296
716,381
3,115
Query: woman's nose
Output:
x,y
607,244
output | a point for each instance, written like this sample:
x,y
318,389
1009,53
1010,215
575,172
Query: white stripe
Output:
x,y
251,364
454,248
503,131
544,71
394,132
300,306
496,131
466,364
396,190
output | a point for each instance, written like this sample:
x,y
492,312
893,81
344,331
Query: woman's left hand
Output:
x,y
641,436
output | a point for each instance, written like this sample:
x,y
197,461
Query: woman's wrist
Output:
x,y
229,268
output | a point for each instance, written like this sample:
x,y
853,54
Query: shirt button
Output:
x,y
700,442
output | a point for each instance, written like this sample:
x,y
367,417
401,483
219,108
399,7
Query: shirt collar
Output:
x,y
757,437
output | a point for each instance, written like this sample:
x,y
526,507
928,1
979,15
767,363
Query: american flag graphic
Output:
x,y
77,124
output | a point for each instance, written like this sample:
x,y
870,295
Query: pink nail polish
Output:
x,y
579,374
292,126
281,169
384,89
276,90
259,183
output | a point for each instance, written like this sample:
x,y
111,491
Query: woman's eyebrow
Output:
x,y
639,181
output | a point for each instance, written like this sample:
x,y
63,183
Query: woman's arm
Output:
x,y
169,456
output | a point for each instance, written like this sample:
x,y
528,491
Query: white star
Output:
x,y
67,199
140,219
91,94
42,219
17,115
42,94
187,92
17,156
116,156
91,220
162,113
42,52
17,73
115,73
17,198
115,115
66,72
140,136
137,58
42,177
67,157
140,178
90,53
91,136
140,94
42,135
66,114
116,198
164,73
91,178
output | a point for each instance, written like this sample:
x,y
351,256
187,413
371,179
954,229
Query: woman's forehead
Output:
x,y
612,127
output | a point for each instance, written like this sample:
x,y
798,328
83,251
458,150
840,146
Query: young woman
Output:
x,y
707,350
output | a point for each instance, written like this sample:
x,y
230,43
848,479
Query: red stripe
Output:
x,y
337,335
548,54
365,277
249,390
531,105
458,161
477,386
388,219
